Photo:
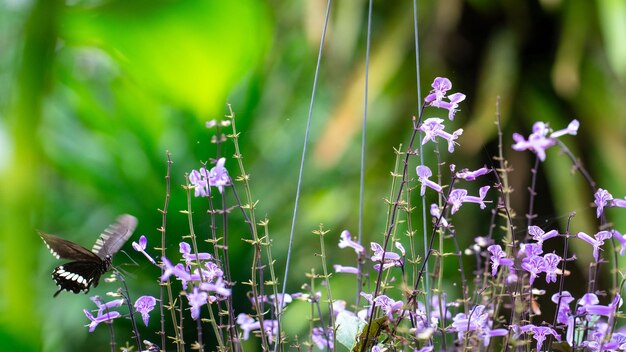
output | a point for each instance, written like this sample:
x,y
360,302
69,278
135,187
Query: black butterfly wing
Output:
x,y
114,236
78,276
64,249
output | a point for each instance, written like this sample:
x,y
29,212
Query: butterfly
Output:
x,y
87,266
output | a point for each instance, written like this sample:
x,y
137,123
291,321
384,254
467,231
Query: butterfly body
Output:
x,y
87,266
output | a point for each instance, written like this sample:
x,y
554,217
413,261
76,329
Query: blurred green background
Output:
x,y
92,94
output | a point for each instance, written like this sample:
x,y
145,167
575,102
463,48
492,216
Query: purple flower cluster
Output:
x,y
542,138
143,305
198,273
203,180
441,86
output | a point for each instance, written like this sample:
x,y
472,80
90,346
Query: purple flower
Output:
x,y
602,199
218,176
551,261
535,265
498,257
169,270
185,250
423,173
141,248
440,86
196,299
198,180
345,269
400,247
388,305
452,106
345,240
212,271
563,309
105,307
459,196
247,324
607,311
436,213
467,175
596,242
391,259
530,249
621,239
537,141
539,333
322,339
572,129
539,235
100,318
478,321
219,287
144,305
433,127
586,300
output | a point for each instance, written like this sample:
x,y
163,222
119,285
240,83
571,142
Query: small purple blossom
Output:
x,y
586,300
391,259
218,176
468,175
498,257
563,309
345,269
621,239
169,269
196,299
423,173
453,105
551,261
459,196
530,249
219,287
144,305
539,333
602,199
539,141
572,129
198,180
203,180
435,212
345,240
433,127
141,248
248,324
185,249
539,235
100,318
608,310
596,242
535,265
441,86
388,305
322,339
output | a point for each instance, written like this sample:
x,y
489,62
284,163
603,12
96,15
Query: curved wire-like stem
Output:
x,y
301,171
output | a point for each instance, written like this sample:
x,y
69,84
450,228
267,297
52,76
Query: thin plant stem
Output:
x,y
359,281
301,170
162,229
321,232
126,295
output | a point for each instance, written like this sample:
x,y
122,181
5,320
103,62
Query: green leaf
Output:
x,y
348,327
